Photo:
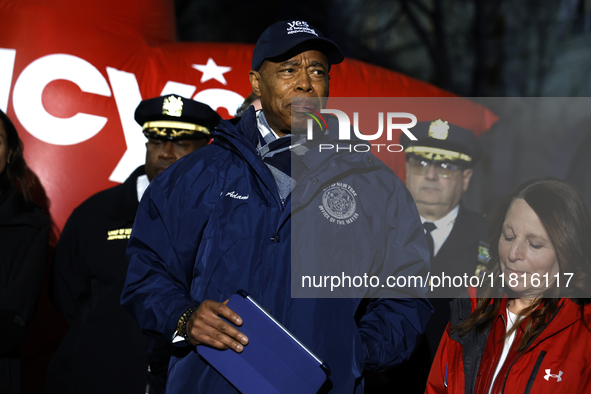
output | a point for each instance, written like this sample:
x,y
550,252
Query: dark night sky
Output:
x,y
470,47
475,48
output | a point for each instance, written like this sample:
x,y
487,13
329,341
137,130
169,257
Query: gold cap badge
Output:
x,y
439,129
172,106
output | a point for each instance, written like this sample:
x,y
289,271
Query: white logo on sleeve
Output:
x,y
553,375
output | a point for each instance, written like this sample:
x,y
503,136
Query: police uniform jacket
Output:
x,y
214,223
104,351
24,238
458,255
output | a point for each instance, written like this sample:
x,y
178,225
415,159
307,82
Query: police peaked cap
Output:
x,y
440,140
173,117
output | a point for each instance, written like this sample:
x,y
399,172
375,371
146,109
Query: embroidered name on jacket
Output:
x,y
237,196
338,204
122,233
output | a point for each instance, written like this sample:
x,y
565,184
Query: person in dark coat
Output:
x,y
438,171
104,350
24,239
273,208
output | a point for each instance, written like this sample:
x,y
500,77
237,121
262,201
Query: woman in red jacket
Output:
x,y
527,329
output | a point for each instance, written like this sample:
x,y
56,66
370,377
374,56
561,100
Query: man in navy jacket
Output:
x,y
247,210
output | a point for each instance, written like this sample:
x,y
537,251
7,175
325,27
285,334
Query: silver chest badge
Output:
x,y
338,204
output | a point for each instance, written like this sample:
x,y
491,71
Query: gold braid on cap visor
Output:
x,y
159,127
437,154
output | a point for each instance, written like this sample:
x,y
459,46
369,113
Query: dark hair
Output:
x,y
561,208
246,103
16,171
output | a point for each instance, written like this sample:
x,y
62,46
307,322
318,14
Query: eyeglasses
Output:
x,y
442,169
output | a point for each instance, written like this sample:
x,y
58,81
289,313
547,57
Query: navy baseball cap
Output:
x,y
281,37
442,141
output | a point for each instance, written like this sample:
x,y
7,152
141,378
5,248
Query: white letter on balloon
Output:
x,y
28,105
127,97
220,98
7,57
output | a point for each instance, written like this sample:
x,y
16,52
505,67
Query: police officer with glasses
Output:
x,y
439,166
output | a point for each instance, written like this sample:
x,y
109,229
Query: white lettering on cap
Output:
x,y
300,27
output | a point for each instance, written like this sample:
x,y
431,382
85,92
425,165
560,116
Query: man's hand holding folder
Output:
x,y
206,327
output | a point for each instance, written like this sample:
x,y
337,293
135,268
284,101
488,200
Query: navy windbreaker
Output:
x,y
213,223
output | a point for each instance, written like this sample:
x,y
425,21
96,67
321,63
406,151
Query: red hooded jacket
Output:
x,y
557,361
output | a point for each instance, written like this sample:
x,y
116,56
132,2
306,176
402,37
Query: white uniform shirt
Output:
x,y
444,227
141,185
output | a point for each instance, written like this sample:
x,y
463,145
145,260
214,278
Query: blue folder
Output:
x,y
274,361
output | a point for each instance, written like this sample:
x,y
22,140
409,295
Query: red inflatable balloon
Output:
x,y
73,72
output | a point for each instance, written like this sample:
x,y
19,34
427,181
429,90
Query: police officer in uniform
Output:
x,y
438,171
104,350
